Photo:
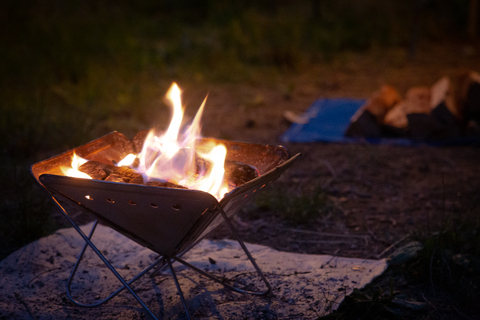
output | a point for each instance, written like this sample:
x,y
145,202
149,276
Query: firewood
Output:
x,y
366,125
165,184
127,174
443,92
236,173
136,180
469,96
443,120
115,178
379,103
366,122
108,172
239,173
397,117
417,100
94,169
139,140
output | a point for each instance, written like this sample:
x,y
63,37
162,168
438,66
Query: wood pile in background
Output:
x,y
447,110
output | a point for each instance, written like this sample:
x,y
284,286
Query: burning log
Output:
x,y
108,172
138,140
165,184
236,172
239,173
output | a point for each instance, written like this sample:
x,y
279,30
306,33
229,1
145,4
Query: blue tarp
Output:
x,y
330,118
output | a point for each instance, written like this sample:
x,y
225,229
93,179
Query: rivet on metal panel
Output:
x,y
153,205
110,200
177,207
263,186
88,197
132,203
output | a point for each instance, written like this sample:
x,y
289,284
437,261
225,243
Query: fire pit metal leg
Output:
x,y
105,261
100,302
178,287
126,285
252,260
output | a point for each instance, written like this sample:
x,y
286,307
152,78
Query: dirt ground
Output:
x,y
378,195
375,198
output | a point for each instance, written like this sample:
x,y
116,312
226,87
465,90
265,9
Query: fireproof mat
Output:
x,y
33,281
329,119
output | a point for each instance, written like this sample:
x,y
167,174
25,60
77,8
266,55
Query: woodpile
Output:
x,y
447,110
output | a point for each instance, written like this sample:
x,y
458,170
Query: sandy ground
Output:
x,y
34,278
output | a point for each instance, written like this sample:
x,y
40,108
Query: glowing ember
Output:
x,y
73,171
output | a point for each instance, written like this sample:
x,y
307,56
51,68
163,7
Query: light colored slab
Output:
x,y
33,280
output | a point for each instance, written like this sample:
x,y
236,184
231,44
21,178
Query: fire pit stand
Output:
x,y
167,221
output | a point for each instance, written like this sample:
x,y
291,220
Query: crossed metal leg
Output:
x,y
165,261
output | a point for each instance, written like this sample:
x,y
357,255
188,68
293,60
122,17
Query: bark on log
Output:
x,y
107,172
236,173
165,184
138,141
239,173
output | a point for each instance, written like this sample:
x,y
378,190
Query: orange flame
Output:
x,y
73,171
171,156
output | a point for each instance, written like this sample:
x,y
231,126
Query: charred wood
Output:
x,y
107,172
138,141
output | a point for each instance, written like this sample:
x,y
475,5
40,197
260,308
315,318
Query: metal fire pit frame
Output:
x,y
165,220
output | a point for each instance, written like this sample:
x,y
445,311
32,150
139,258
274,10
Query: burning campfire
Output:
x,y
171,159
116,180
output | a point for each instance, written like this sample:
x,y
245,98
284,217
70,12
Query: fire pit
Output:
x,y
166,220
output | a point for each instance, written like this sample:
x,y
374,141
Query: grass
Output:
x,y
295,206
441,281
435,276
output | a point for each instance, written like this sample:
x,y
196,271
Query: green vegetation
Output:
x,y
439,281
296,206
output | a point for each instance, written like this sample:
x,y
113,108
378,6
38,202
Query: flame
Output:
x,y
172,156
213,181
127,161
73,171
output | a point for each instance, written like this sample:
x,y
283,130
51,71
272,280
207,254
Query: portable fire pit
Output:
x,y
166,220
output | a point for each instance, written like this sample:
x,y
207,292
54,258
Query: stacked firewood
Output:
x,y
236,173
447,110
